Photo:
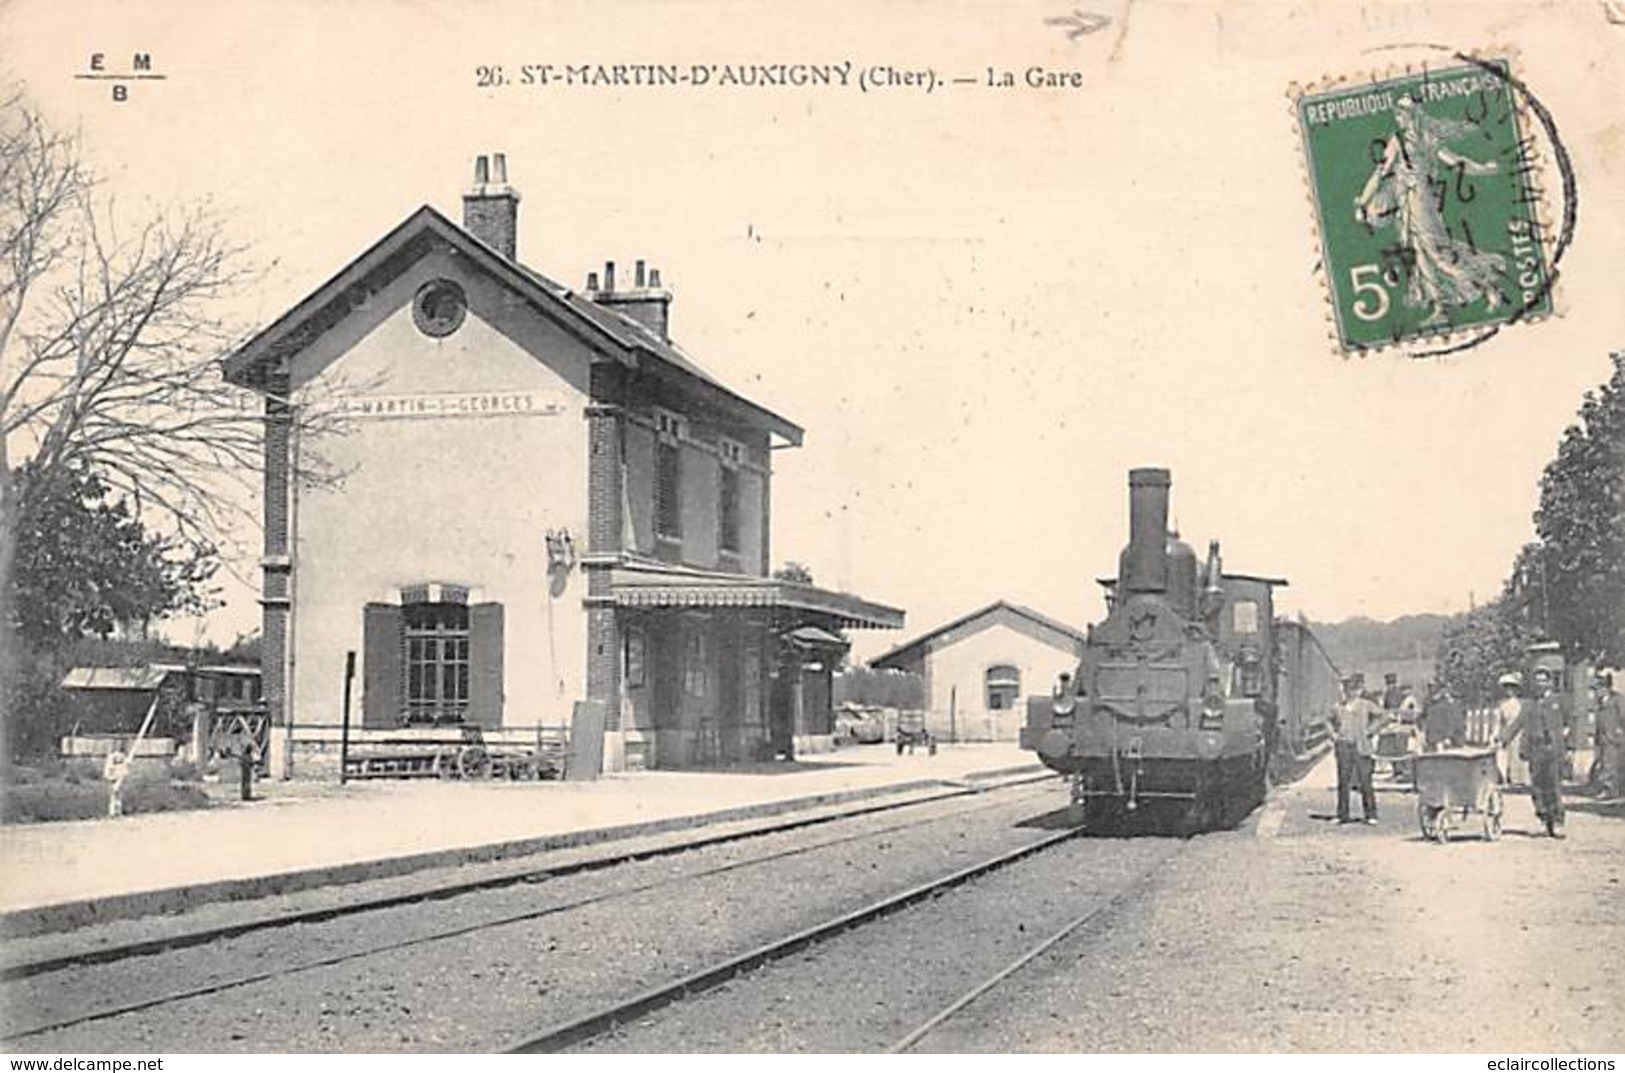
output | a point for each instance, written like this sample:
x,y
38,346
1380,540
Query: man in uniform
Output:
x,y
1610,732
1357,720
1541,725
1444,720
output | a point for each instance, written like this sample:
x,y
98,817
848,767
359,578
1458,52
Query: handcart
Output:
x,y
1454,784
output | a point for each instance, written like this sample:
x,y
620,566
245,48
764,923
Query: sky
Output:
x,y
984,304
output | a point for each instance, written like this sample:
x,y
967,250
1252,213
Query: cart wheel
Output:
x,y
1428,819
473,762
1441,827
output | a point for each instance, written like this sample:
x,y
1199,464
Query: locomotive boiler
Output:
x,y
1171,715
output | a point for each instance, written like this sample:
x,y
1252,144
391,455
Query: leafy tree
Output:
x,y
1573,580
1481,646
795,572
109,344
85,565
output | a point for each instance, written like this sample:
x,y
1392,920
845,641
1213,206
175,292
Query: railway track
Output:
x,y
635,1025
570,1033
38,973
490,879
912,1039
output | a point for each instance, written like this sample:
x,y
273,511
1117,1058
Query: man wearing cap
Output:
x,y
1357,720
1444,720
1541,724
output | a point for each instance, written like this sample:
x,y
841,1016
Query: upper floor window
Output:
x,y
1003,687
669,432
1244,617
728,496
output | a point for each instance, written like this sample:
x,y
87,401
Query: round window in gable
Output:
x,y
439,308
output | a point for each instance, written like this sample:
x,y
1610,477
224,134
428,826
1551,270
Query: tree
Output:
x,y
1481,646
85,566
109,340
794,572
1574,577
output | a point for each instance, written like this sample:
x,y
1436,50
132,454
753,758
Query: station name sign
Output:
x,y
471,404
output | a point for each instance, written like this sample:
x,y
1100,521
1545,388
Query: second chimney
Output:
x,y
491,206
645,302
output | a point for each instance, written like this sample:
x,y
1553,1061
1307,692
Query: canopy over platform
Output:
x,y
652,586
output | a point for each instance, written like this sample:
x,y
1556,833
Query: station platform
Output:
x,y
300,835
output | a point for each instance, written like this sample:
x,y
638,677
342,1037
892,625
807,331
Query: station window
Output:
x,y
636,658
1003,687
669,432
728,496
437,648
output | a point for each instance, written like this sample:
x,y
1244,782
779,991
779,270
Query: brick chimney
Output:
x,y
491,207
645,301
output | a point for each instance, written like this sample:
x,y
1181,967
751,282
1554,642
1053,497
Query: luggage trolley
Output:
x,y
1454,784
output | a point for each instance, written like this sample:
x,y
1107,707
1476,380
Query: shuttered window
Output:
x,y
668,475
728,528
428,664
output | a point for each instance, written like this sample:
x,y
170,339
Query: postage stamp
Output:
x,y
1427,204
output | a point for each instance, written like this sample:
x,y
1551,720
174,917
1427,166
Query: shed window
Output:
x,y
437,648
1003,687
1244,617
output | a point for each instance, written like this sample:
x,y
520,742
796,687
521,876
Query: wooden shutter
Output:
x,y
485,665
381,669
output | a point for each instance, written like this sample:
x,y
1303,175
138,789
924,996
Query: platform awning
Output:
x,y
657,587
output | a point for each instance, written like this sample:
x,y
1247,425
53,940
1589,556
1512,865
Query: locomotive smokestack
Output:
x,y
1144,566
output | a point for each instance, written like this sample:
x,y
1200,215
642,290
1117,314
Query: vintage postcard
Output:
x,y
701,526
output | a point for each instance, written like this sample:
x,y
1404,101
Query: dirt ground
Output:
x,y
1299,934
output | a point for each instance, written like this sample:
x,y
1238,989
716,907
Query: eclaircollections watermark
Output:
x,y
1429,207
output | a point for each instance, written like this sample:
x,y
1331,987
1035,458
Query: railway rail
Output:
x,y
489,879
572,1032
24,973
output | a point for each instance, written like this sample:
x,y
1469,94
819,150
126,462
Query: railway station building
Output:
x,y
978,670
541,514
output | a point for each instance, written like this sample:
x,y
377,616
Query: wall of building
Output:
x,y
676,715
462,500
955,669
701,488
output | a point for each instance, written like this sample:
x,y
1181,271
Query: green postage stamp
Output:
x,y
1424,192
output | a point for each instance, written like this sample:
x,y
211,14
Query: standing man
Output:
x,y
1610,732
1357,721
1444,720
1540,727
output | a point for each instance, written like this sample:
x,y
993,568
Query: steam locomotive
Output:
x,y
1185,691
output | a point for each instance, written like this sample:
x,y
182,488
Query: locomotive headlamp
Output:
x,y
1063,702
1212,710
